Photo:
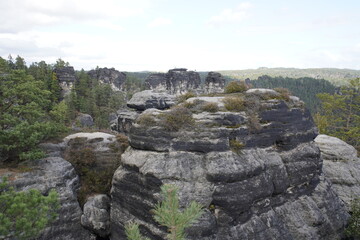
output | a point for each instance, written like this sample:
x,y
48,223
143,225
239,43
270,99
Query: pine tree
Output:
x,y
167,213
25,214
340,114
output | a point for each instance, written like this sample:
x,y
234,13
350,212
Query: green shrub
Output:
x,y
236,87
146,119
25,214
253,123
177,118
210,107
167,213
236,146
185,96
123,141
234,104
353,229
284,93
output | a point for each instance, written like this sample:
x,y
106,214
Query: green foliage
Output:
x,y
284,93
177,118
95,177
210,107
340,114
305,88
133,233
167,213
185,96
334,75
146,119
353,228
235,87
24,215
23,115
236,146
234,104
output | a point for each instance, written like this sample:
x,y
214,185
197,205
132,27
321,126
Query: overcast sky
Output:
x,y
136,35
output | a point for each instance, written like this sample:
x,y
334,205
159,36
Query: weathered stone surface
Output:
x,y
150,99
66,78
54,173
125,119
111,76
341,166
175,81
214,83
96,216
104,146
83,121
270,188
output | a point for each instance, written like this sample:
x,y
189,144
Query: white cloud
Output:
x,y
22,15
159,22
229,15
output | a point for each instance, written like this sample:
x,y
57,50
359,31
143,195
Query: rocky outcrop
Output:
x,y
175,81
54,173
341,166
96,216
125,119
150,99
111,76
255,183
214,83
66,78
82,121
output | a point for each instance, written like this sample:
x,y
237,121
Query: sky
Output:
x,y
202,35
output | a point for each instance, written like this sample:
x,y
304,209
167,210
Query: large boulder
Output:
x,y
111,76
214,83
54,173
341,166
125,118
261,182
96,216
175,81
83,121
150,99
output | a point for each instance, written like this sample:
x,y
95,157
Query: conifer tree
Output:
x,y
23,215
167,213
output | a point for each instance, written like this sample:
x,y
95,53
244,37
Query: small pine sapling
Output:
x,y
167,213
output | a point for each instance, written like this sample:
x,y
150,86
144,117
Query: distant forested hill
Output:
x,y
336,76
305,88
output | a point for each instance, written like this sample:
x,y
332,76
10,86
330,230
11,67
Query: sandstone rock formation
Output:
x,y
82,121
255,183
175,81
341,166
124,121
150,99
96,216
54,173
214,83
66,78
111,76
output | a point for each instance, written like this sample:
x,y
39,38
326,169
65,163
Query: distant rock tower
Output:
x,y
66,78
214,83
175,81
111,76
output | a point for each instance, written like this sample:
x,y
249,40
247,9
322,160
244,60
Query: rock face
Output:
x,y
214,83
175,81
66,77
150,99
341,166
263,183
55,173
125,119
96,216
111,76
83,121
